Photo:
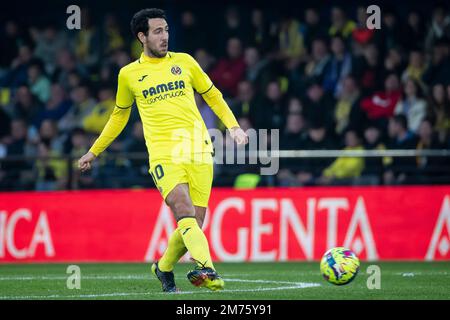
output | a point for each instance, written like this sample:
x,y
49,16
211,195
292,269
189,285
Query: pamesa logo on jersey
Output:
x,y
163,87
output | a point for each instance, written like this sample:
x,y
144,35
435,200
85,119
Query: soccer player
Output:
x,y
162,84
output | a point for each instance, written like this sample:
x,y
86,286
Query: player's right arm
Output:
x,y
213,97
115,124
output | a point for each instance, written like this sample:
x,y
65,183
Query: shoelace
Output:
x,y
199,264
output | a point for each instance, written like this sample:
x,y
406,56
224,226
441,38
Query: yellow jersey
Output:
x,y
163,89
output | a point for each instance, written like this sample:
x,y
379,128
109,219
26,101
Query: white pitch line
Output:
x,y
91,277
297,285
27,278
56,296
260,281
293,285
421,273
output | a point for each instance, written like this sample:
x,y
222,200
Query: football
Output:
x,y
339,266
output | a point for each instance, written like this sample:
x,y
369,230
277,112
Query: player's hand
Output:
x,y
85,161
238,135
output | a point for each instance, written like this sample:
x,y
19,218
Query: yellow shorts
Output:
x,y
197,174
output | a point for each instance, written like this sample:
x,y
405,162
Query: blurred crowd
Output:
x,y
320,77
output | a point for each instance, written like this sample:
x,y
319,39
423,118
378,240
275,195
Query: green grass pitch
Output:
x,y
243,281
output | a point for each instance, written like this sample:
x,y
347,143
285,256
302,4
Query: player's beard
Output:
x,y
154,52
157,54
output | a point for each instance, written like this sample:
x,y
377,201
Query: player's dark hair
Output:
x,y
139,22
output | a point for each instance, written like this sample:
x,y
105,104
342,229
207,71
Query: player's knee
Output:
x,y
180,202
183,209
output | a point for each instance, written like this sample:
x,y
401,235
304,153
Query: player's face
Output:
x,y
157,40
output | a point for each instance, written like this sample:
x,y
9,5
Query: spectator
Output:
x,y
340,24
347,106
51,172
374,166
39,84
295,105
26,105
295,127
298,74
291,139
11,39
271,114
317,64
412,104
5,124
191,36
15,174
246,103
340,65
77,145
87,44
18,74
316,139
231,28
119,58
49,42
83,104
204,59
415,29
382,104
439,67
113,39
439,28
18,144
439,109
290,39
415,68
48,134
429,169
256,68
401,168
106,76
344,169
319,106
261,36
390,30
66,64
230,70
55,108
361,34
138,166
74,80
370,71
313,28
393,63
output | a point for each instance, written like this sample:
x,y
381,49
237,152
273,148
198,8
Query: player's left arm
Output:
x,y
214,98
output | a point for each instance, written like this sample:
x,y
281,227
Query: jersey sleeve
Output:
x,y
124,96
116,123
200,80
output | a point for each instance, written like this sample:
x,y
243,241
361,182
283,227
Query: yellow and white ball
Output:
x,y
339,265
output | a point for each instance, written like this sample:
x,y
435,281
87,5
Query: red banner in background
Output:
x,y
378,223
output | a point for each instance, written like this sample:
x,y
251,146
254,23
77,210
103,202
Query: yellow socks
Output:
x,y
175,250
195,241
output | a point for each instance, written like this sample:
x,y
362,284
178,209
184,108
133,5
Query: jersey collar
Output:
x,y
145,58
